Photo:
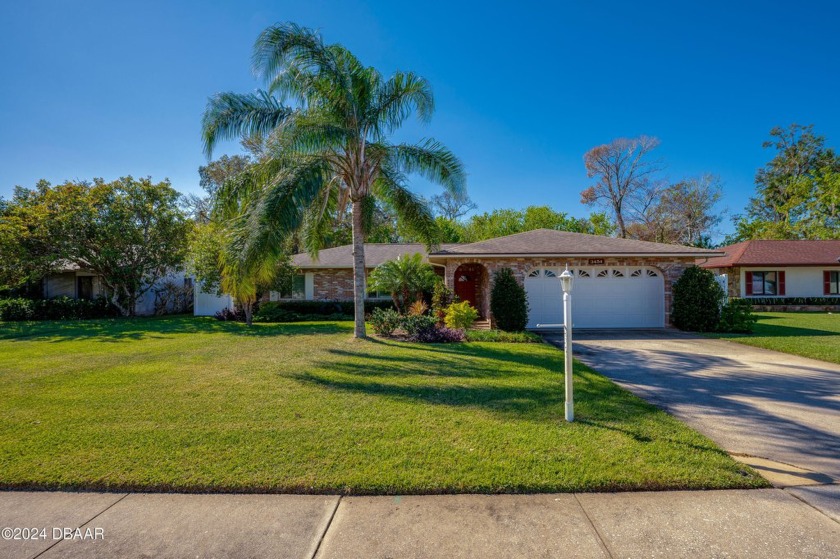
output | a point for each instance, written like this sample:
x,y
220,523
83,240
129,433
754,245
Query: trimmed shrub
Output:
x,y
17,309
385,321
774,301
330,307
412,324
435,334
60,308
508,302
460,315
736,316
697,301
503,337
273,312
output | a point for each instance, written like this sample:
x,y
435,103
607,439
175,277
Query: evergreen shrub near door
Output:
x,y
508,302
697,301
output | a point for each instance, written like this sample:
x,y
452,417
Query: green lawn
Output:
x,y
193,404
815,335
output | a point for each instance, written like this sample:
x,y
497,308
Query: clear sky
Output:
x,y
523,89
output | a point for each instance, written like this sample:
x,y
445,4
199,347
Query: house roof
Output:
x,y
375,254
778,253
549,242
540,242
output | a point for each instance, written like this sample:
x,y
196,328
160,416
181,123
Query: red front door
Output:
x,y
466,284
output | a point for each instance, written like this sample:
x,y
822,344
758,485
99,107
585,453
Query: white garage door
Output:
x,y
602,297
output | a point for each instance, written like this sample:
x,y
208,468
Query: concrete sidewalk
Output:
x,y
760,523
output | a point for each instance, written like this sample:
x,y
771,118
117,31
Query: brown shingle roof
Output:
x,y
778,253
375,254
563,243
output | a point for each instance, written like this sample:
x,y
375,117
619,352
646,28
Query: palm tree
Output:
x,y
405,279
332,150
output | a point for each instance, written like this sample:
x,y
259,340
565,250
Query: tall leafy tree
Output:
x,y
333,150
797,191
131,232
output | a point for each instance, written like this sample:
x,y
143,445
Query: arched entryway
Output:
x,y
470,284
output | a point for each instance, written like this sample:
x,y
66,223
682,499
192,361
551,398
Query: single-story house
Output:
x,y
619,283
765,268
70,280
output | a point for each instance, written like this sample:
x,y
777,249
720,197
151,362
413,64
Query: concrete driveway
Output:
x,y
750,401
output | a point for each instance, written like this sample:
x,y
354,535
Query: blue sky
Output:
x,y
522,89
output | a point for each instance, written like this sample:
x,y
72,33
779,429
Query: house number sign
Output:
x,y
596,261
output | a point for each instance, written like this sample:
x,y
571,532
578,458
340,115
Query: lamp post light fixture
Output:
x,y
566,281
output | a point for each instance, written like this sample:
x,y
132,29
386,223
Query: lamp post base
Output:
x,y
570,411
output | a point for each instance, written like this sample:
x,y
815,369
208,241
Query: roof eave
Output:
x,y
582,255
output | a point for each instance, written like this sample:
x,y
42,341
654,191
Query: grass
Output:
x,y
193,404
814,335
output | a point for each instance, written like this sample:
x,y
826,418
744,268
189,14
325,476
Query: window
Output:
x,y
583,273
298,290
603,274
832,283
763,283
652,274
636,274
617,274
550,274
534,273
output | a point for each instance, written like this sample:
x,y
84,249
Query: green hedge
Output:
x,y
60,308
503,337
778,301
328,307
274,312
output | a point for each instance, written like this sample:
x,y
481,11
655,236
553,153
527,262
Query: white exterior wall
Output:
x,y
208,304
800,281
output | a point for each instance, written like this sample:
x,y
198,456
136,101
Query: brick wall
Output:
x,y
671,268
332,284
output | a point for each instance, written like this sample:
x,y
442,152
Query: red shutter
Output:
x,y
749,283
826,283
781,283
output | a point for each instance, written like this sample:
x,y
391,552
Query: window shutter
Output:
x,y
749,283
781,283
826,282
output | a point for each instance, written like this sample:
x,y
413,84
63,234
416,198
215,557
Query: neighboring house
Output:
x,y
619,283
780,268
77,283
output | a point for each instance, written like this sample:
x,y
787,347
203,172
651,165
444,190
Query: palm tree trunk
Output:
x,y
358,271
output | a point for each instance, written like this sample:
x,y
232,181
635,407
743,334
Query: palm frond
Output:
x,y
411,210
431,160
236,115
395,100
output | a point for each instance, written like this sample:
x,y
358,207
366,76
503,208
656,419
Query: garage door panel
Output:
x,y
617,299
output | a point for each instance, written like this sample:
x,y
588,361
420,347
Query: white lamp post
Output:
x,y
566,284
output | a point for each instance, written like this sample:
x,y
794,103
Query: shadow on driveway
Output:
x,y
749,400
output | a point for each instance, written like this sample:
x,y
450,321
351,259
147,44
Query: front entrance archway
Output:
x,y
469,284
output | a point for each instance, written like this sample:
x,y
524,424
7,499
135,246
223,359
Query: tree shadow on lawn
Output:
x,y
509,383
139,328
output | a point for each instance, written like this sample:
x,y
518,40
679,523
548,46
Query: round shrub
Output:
x,y
508,302
385,321
460,315
697,301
